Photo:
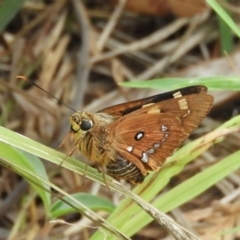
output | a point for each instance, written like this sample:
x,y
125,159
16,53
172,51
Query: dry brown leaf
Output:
x,y
216,226
149,7
180,8
198,214
216,219
187,8
117,71
214,67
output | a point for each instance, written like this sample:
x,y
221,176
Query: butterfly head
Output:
x,y
80,123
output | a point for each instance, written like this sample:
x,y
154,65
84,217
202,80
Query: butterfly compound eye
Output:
x,y
86,125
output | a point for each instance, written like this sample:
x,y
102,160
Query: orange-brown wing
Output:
x,y
146,139
190,109
149,135
126,108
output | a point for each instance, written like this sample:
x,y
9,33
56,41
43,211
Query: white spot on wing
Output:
x,y
164,128
146,105
129,148
139,136
183,104
188,112
144,157
177,95
151,151
156,145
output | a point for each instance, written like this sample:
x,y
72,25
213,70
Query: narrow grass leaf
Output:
x,y
213,83
8,9
93,202
224,15
29,162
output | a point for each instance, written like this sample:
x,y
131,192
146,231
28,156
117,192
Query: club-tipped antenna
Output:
x,y
34,84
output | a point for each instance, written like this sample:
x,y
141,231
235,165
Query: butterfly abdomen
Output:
x,y
121,168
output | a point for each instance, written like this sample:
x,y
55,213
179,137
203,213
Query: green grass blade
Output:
x,y
93,202
224,15
213,83
226,37
31,163
8,9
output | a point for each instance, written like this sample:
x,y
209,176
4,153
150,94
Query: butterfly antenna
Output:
x,y
34,84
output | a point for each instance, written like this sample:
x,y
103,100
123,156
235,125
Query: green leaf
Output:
x,y
93,202
30,163
214,83
8,9
224,15
226,37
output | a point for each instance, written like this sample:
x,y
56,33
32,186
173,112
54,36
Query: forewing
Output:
x,y
190,109
147,136
126,108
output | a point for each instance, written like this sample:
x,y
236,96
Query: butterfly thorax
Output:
x,y
89,134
